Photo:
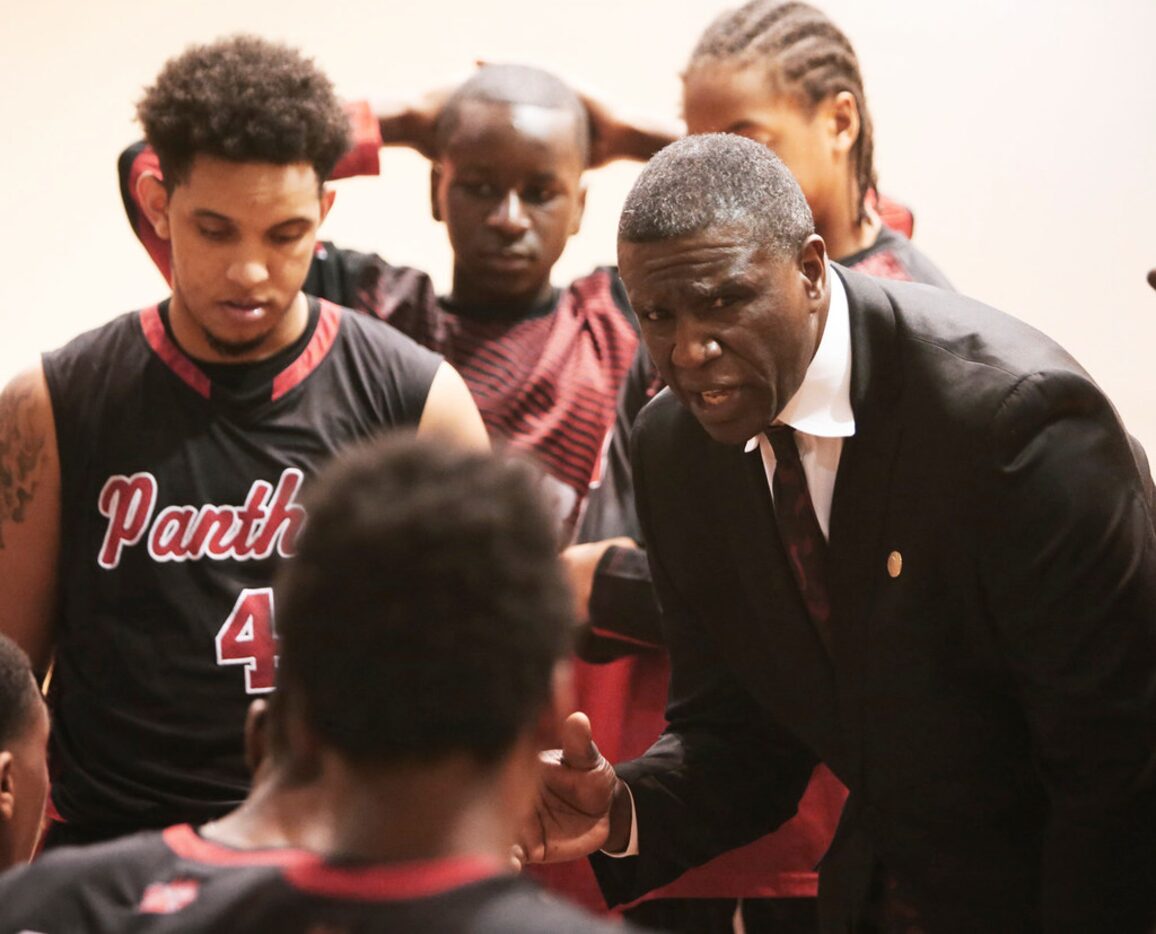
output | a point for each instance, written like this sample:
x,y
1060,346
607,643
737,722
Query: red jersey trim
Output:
x,y
622,637
417,879
328,324
319,345
186,843
172,355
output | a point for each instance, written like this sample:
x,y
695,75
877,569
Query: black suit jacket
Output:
x,y
992,709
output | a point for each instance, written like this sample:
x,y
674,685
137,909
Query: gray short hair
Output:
x,y
717,180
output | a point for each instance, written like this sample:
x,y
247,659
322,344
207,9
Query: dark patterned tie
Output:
x,y
799,529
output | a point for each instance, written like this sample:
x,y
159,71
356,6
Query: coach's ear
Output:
x,y
7,786
154,201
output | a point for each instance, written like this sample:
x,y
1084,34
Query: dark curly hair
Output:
x,y
244,99
18,694
805,54
426,608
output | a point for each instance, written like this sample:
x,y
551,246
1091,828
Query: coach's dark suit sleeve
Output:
x,y
1070,572
722,774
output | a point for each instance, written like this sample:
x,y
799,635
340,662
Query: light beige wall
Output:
x,y
1023,133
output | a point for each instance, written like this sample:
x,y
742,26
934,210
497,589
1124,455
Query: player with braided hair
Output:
x,y
786,76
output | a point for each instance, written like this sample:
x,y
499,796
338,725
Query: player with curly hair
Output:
x,y
154,464
425,624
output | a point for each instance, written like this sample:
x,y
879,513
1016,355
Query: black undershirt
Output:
x,y
502,312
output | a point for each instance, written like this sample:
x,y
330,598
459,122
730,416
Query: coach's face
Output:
x,y
731,325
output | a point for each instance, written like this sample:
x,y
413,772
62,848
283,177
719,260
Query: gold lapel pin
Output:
x,y
895,564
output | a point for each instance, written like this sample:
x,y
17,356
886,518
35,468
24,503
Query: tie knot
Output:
x,y
782,438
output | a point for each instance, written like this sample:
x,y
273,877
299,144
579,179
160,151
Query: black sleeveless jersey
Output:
x,y
176,880
178,497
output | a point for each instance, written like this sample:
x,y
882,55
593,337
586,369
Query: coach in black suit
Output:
x,y
978,664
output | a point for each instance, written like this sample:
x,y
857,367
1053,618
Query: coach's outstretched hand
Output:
x,y
573,815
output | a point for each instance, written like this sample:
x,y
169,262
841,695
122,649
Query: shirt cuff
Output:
x,y
632,844
622,602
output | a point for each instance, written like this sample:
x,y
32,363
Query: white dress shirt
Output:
x,y
820,412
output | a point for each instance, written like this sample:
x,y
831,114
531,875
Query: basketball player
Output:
x,y
151,468
424,624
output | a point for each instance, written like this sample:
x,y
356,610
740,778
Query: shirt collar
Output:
x,y
822,405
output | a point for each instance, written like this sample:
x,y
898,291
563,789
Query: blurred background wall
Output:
x,y
1022,133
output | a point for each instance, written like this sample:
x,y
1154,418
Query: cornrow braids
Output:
x,y
805,53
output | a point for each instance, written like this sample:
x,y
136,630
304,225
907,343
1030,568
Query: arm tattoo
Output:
x,y
21,454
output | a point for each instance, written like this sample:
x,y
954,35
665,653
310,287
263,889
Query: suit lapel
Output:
x,y
863,495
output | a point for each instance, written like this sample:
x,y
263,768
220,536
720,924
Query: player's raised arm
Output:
x,y
411,120
616,134
450,412
29,515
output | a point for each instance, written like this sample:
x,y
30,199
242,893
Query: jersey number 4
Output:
x,y
248,638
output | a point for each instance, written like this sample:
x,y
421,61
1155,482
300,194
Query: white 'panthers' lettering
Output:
x,y
128,503
269,521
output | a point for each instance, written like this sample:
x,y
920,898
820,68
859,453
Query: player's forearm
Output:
x,y
635,137
407,122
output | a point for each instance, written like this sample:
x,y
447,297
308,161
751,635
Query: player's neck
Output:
x,y
452,808
845,233
275,814
469,297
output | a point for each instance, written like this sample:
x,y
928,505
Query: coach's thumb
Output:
x,y
578,749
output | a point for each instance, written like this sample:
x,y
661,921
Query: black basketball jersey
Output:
x,y
176,880
146,881
179,496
